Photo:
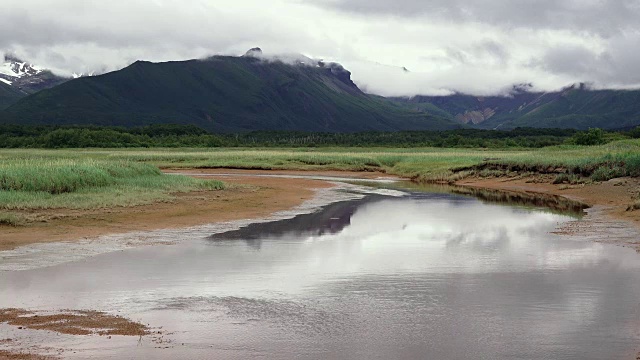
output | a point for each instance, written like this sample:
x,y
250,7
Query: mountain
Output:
x,y
8,94
223,94
19,79
575,107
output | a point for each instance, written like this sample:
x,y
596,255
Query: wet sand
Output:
x,y
245,198
250,197
65,322
76,322
9,355
608,216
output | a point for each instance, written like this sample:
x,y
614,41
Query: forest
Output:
x,y
59,137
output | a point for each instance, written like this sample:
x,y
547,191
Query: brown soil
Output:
x,y
246,197
9,355
73,322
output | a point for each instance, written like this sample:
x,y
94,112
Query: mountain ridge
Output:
x,y
576,106
222,94
287,92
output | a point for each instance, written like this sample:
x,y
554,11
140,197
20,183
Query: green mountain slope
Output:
x,y
582,109
574,107
9,95
222,94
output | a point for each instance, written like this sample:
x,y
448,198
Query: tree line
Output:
x,y
168,135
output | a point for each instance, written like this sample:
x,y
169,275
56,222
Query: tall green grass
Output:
x,y
66,175
120,177
10,219
82,183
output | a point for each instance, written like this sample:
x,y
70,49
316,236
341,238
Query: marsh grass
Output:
x,y
67,176
83,183
10,219
572,179
32,178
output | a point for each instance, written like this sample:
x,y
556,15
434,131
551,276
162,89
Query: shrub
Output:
x,y
10,219
604,173
594,136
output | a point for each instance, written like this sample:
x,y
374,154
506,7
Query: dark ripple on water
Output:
x,y
305,317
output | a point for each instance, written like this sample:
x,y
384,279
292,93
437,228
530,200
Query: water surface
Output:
x,y
433,276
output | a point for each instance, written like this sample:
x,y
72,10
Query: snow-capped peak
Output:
x,y
15,68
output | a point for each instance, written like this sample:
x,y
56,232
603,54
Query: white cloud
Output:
x,y
481,47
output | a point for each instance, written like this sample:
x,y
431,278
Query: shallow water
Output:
x,y
426,275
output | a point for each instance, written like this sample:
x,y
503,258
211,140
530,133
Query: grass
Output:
x,y
39,179
10,219
85,183
572,179
599,163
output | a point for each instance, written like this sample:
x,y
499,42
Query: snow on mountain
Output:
x,y
26,77
79,75
16,68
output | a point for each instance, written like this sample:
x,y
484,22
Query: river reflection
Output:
x,y
431,276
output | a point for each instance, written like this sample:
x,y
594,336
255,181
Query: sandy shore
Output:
x,y
608,218
250,196
246,198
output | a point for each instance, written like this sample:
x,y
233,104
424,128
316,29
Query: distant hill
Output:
x,y
573,107
223,94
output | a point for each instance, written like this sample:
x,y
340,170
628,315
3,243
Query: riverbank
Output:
x,y
251,194
610,204
245,197
308,279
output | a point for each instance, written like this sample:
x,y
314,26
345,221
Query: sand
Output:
x,y
73,322
614,196
256,197
246,198
609,218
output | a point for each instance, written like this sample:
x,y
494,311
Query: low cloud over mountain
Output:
x,y
480,47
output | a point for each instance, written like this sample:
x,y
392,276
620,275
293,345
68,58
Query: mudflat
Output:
x,y
615,195
609,202
250,196
246,197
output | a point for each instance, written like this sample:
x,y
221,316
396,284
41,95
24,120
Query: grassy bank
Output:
x,y
31,182
40,179
617,158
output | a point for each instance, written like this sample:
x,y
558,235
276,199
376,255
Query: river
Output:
x,y
425,275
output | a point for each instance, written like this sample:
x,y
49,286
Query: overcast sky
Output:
x,y
473,46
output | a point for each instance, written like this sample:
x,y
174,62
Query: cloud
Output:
x,y
604,17
474,46
616,66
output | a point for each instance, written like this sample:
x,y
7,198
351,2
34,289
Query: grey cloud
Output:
x,y
493,49
571,60
617,66
474,46
488,51
120,32
603,17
